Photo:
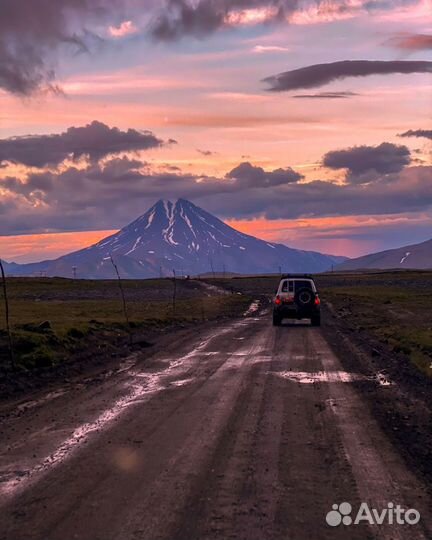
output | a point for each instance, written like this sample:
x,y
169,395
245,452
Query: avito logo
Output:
x,y
392,515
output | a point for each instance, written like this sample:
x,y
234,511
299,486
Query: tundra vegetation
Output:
x,y
53,320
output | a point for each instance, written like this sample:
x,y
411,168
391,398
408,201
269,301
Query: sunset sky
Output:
x,y
303,122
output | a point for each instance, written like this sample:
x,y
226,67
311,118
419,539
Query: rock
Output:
x,y
45,325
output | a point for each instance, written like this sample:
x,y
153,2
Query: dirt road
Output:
x,y
237,431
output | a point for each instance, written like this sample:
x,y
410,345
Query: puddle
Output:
x,y
383,380
310,377
181,382
254,307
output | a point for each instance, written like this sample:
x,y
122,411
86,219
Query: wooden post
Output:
x,y
8,329
125,312
174,293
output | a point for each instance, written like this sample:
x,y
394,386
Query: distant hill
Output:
x,y
417,256
11,268
182,237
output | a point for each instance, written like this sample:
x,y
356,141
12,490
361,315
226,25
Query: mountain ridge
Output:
x,y
414,256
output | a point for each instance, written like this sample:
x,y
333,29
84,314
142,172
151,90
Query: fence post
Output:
x,y
8,330
174,293
125,312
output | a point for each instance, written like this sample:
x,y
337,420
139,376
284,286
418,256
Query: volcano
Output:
x,y
178,236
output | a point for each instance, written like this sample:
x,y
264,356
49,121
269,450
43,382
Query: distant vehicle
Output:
x,y
297,298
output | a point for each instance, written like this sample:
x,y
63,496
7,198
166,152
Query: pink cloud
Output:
x,y
126,28
260,49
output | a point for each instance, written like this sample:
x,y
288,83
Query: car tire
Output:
x,y
316,320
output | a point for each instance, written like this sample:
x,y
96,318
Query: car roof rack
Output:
x,y
288,276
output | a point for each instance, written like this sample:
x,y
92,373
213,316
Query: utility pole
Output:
x,y
74,271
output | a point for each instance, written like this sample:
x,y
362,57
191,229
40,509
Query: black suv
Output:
x,y
297,298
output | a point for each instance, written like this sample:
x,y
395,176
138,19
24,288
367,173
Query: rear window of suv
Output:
x,y
295,285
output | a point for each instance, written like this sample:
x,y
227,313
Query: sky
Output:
x,y
305,122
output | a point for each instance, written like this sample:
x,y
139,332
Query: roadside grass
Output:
x,y
52,319
393,307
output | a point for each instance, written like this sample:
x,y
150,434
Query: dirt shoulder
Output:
x,y
402,402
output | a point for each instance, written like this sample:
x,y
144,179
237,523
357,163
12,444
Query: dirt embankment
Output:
x,y
404,409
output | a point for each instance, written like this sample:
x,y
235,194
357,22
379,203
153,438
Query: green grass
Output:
x,y
76,315
394,307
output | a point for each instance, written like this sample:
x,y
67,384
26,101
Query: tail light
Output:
x,y
317,300
278,301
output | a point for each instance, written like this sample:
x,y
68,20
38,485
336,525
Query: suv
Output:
x,y
296,298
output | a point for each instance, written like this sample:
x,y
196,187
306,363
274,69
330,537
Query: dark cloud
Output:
x,y
321,74
366,164
411,42
206,153
327,95
31,34
109,195
407,191
94,141
426,133
201,18
247,175
180,18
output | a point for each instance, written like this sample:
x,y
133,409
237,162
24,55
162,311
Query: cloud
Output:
x,y
110,194
93,141
33,39
327,95
426,133
200,18
260,49
31,36
411,42
206,153
126,28
180,18
320,74
407,191
365,164
248,175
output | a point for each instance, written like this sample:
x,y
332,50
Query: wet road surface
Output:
x,y
239,431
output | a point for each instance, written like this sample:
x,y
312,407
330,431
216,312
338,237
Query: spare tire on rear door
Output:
x,y
304,297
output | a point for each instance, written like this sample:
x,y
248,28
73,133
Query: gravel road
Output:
x,y
239,430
